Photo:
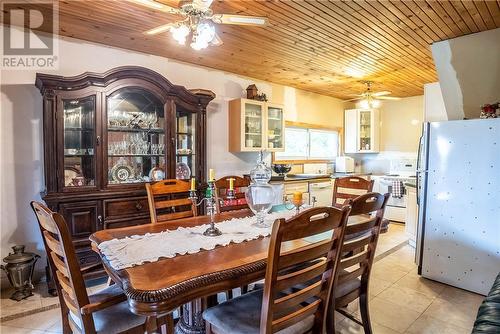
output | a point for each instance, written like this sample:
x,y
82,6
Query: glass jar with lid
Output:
x,y
260,195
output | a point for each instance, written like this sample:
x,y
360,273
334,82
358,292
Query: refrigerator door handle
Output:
x,y
418,171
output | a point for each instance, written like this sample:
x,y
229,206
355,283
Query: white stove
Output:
x,y
402,170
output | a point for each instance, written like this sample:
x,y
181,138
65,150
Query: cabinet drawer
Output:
x,y
293,187
127,222
125,207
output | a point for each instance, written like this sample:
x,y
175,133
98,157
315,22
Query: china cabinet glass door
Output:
x,y
275,124
185,144
365,140
254,125
79,142
136,137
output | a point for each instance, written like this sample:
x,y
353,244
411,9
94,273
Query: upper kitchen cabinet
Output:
x,y
362,131
256,126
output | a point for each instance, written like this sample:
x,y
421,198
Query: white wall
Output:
x,y
469,72
401,124
434,108
21,152
400,129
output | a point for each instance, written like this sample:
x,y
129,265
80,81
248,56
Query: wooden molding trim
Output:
x,y
49,82
312,126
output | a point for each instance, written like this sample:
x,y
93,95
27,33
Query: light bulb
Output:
x,y
180,33
364,104
198,45
205,33
375,103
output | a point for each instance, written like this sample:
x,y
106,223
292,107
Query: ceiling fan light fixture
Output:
x,y
364,104
180,33
247,20
368,103
204,34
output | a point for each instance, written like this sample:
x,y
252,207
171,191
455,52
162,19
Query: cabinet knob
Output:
x,y
98,140
99,219
138,206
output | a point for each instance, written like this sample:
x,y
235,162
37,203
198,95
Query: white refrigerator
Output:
x,y
458,193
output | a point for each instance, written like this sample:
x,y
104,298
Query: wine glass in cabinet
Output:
x,y
136,137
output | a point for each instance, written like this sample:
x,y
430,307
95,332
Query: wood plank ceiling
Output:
x,y
326,47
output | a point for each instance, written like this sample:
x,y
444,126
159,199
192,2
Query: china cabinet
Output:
x,y
105,135
361,131
256,126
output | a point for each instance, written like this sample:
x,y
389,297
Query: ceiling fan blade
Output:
x,y
202,3
156,5
216,41
351,100
240,19
385,92
388,98
160,29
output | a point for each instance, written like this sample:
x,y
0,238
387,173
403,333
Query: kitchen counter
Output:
x,y
290,179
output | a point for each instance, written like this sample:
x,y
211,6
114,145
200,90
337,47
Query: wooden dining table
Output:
x,y
156,288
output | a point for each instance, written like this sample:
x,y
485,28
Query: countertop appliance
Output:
x,y
458,191
402,170
344,165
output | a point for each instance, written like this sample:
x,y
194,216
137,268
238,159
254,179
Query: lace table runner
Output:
x,y
139,249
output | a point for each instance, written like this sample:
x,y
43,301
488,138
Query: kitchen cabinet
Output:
x,y
411,215
104,134
321,193
255,126
361,131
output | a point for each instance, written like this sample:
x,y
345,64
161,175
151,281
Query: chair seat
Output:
x,y
241,315
114,319
346,287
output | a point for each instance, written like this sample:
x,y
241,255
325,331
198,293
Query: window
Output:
x,y
309,144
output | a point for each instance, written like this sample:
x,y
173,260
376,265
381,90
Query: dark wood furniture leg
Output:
x,y
51,285
191,321
365,313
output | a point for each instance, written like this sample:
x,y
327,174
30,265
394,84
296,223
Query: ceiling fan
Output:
x,y
198,21
370,99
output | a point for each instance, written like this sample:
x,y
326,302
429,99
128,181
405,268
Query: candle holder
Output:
x,y
295,204
210,206
230,194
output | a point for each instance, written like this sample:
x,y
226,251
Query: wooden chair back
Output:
x,y
348,188
240,186
309,270
358,248
65,268
168,200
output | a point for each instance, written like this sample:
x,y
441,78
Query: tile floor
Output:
x,y
400,300
40,300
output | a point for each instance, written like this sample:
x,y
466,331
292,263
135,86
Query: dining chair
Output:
x,y
238,203
358,252
166,201
222,185
275,308
349,187
103,312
